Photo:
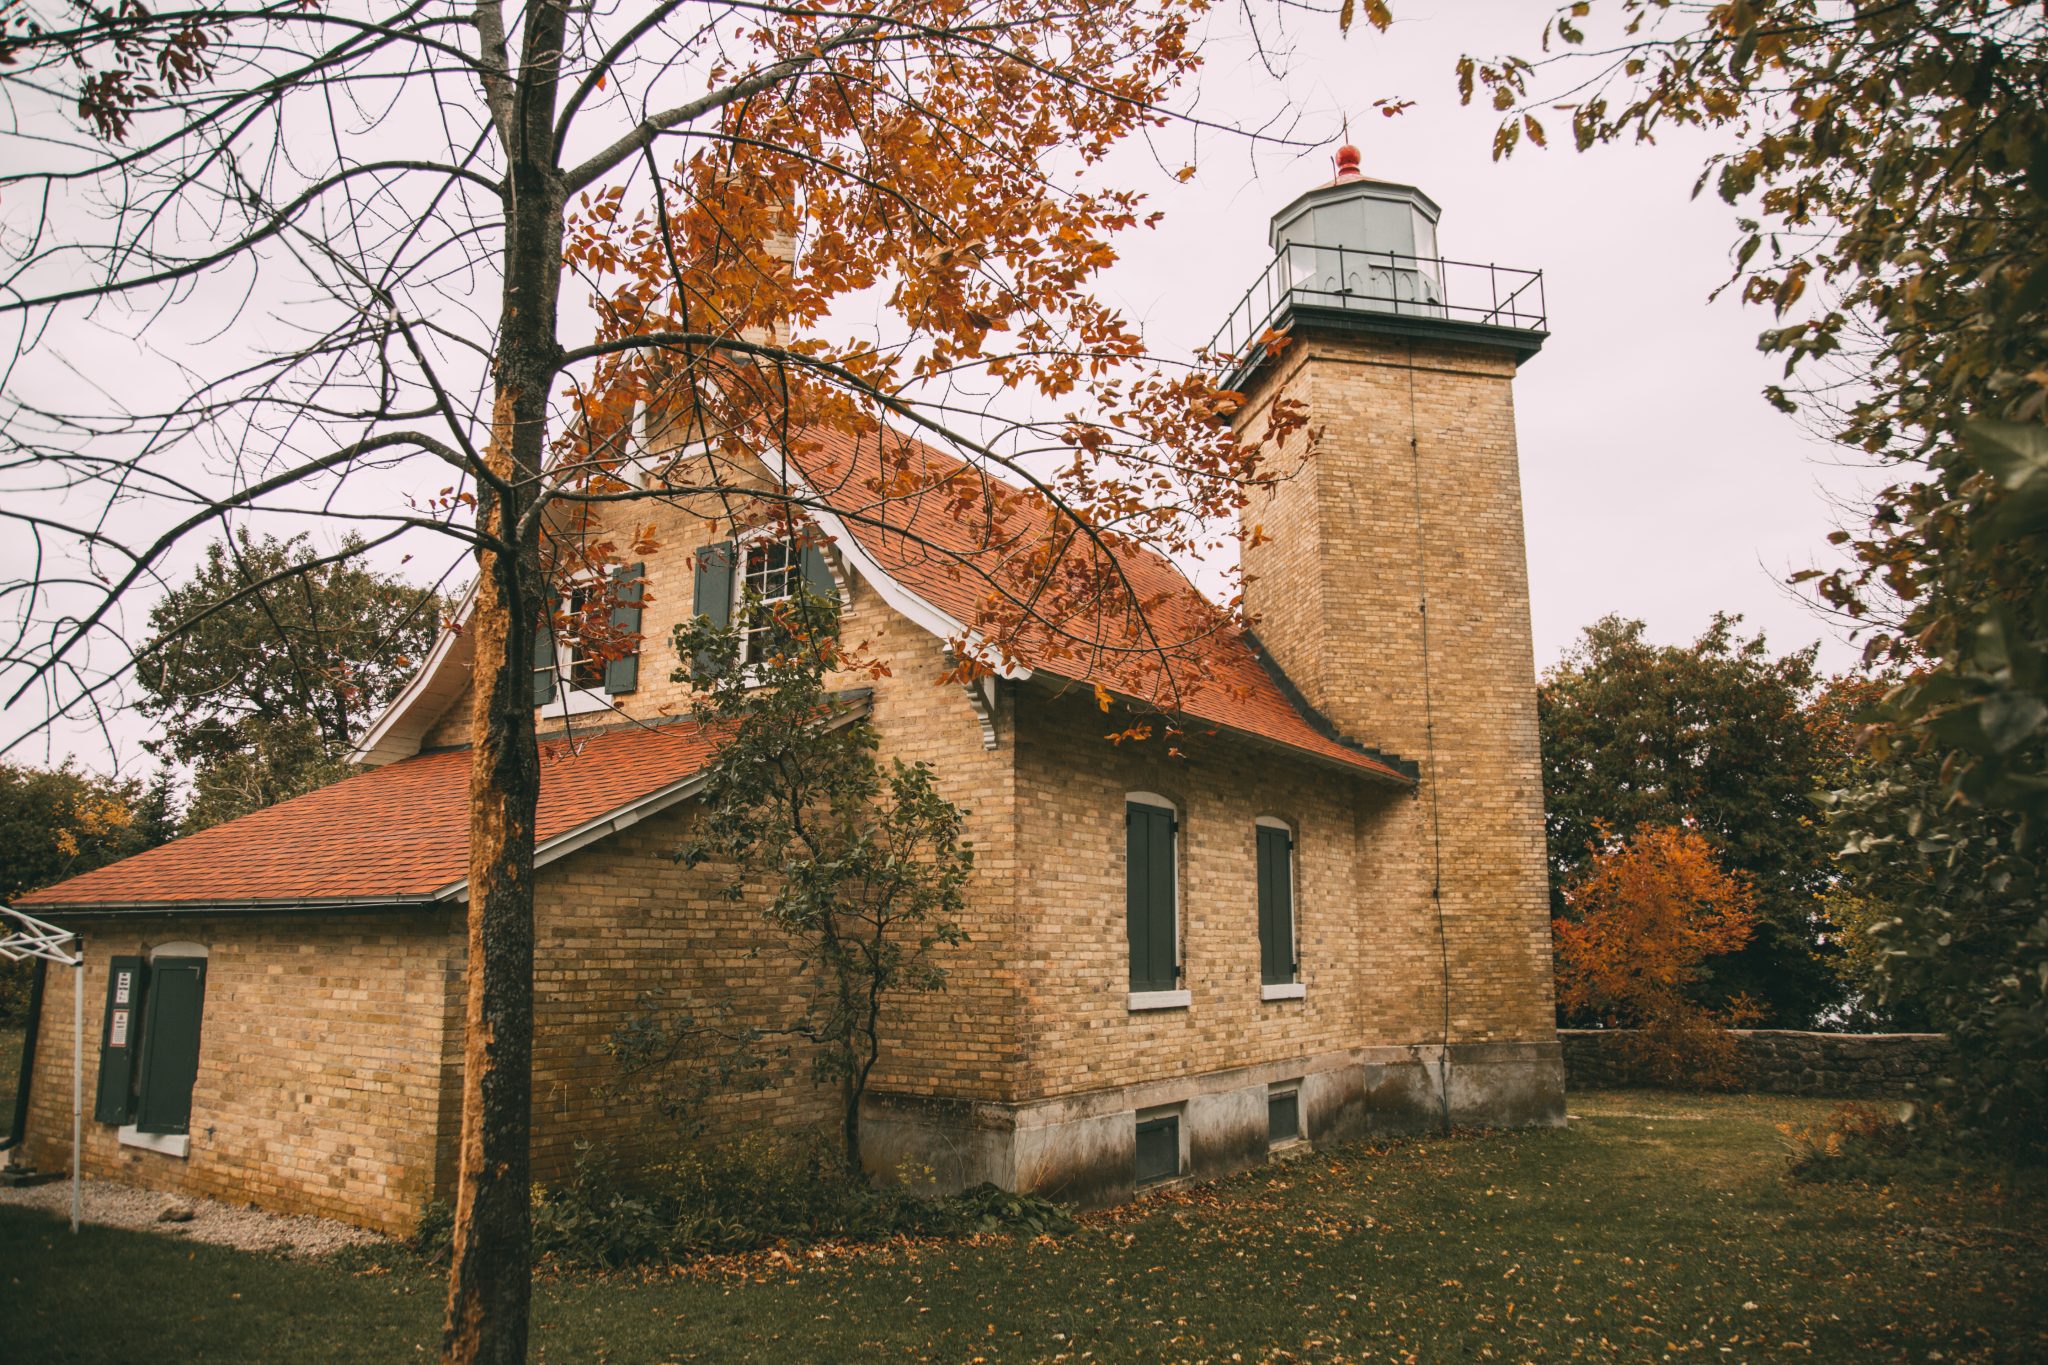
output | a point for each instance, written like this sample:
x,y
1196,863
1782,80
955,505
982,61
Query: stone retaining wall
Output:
x,y
1784,1062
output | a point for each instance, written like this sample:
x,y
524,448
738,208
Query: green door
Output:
x,y
170,1044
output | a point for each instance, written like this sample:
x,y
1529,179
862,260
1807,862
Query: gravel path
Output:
x,y
246,1229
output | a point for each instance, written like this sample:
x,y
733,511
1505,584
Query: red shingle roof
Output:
x,y
397,833
921,538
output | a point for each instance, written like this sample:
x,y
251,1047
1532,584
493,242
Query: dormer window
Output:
x,y
759,568
770,570
590,650
582,667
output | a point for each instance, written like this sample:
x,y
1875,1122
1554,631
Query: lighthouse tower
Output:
x,y
1387,583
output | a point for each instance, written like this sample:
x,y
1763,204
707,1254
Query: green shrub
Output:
x,y
751,1192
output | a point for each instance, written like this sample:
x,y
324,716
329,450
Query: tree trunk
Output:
x,y
850,1126
491,1278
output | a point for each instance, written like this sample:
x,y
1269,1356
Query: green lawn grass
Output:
x,y
1658,1227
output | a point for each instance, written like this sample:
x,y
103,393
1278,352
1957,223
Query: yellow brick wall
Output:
x,y
323,1065
1412,492
1367,952
958,1042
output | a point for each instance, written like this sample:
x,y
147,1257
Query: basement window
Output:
x,y
1283,1114
1158,1147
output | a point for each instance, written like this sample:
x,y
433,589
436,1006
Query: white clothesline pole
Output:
x,y
77,1077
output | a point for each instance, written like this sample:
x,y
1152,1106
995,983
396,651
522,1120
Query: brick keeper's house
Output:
x,y
1328,918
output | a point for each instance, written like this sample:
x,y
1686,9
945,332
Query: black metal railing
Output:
x,y
1350,279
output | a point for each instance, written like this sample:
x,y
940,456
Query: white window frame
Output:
x,y
1296,989
1182,998
743,546
573,701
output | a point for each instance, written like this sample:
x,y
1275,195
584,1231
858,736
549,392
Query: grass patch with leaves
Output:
x,y
1656,1226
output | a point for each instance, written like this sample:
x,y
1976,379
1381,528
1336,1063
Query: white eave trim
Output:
x,y
623,817
381,744
899,597
590,831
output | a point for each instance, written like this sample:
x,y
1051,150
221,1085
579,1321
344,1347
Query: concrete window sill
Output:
x,y
170,1144
1286,990
1160,1000
576,701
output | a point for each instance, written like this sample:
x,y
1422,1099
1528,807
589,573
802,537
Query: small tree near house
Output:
x,y
1643,924
863,865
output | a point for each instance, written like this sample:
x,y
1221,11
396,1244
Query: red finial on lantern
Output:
x,y
1347,163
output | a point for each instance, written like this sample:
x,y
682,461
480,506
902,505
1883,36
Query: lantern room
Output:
x,y
1359,254
1364,241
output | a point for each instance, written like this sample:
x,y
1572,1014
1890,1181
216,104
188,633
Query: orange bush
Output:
x,y
1643,920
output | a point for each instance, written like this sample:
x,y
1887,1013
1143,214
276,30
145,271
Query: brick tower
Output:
x,y
1389,585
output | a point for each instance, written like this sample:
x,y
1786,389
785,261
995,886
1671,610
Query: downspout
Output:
x,y
1436,826
28,1059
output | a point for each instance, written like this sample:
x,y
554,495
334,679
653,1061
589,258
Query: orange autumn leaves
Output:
x,y
1643,923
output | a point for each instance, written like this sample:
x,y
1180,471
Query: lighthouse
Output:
x,y
1386,582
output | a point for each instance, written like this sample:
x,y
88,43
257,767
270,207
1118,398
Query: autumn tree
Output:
x,y
370,216
59,822
1714,736
1891,170
266,664
1648,923
864,866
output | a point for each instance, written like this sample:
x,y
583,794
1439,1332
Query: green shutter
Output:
x,y
1149,896
714,583
544,662
1276,906
170,1045
818,574
120,1035
713,591
623,673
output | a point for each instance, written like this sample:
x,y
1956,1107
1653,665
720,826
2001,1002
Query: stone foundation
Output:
x,y
1784,1062
1082,1149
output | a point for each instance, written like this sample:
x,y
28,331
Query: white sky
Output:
x,y
1657,482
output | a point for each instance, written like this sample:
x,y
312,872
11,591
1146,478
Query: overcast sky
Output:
x,y
1657,482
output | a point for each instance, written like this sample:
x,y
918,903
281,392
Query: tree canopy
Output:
x,y
1714,737
269,661
1646,918
1892,173
865,866
59,822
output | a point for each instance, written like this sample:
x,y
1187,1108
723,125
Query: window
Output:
x,y
769,568
580,666
769,573
1158,1147
1277,965
149,1046
1150,893
1283,1114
